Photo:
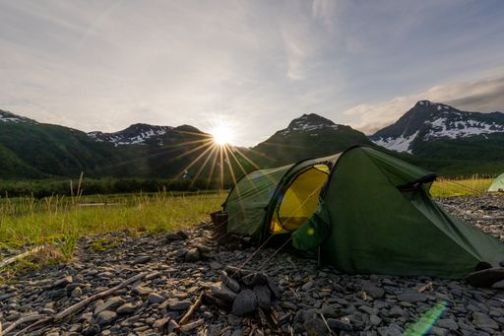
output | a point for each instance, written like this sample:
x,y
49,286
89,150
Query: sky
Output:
x,y
251,65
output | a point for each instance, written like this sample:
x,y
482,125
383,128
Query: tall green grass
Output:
x,y
61,221
443,187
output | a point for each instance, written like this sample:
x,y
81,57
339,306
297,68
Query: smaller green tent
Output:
x,y
497,184
365,211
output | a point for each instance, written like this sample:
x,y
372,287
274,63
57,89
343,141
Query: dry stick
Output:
x,y
326,324
427,286
82,304
13,259
187,316
22,320
34,326
78,306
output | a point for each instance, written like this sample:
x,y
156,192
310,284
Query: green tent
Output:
x,y
497,184
364,211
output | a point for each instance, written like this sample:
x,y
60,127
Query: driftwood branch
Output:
x,y
187,316
72,309
82,304
11,260
22,320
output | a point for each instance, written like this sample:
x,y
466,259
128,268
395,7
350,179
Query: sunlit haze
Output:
x,y
222,135
103,65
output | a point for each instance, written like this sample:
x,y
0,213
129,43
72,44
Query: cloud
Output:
x,y
483,95
102,65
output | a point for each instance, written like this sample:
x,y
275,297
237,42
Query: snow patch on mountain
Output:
x,y
309,123
399,144
453,129
7,117
428,121
134,135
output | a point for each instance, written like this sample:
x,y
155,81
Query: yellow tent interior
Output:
x,y
300,200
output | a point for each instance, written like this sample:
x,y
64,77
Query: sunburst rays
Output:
x,y
218,163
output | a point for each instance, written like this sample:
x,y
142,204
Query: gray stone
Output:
x,y
484,321
106,317
263,295
412,297
396,311
288,305
339,324
161,323
171,237
231,284
244,303
77,292
375,320
91,330
391,330
142,260
110,304
307,286
447,324
437,331
372,290
315,326
174,304
155,298
192,255
141,290
498,285
126,308
223,292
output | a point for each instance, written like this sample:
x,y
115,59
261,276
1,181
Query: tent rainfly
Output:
x,y
365,211
498,184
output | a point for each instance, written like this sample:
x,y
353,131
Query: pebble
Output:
x,y
174,304
299,290
244,303
105,317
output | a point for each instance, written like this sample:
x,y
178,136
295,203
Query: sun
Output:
x,y
222,134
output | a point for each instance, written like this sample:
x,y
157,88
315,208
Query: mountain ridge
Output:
x,y
434,135
428,121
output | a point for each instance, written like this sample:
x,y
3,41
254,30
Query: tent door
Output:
x,y
300,199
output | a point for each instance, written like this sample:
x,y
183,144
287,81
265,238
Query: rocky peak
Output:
x,y
427,120
8,117
307,121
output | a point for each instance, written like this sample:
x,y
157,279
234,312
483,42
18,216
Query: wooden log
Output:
x,y
82,304
191,326
76,307
11,260
23,320
187,316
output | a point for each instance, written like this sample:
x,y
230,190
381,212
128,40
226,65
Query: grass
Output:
x,y
58,222
464,187
61,221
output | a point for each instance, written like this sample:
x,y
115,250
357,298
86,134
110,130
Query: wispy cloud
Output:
x,y
102,65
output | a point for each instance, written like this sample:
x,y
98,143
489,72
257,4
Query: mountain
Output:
x,y
144,134
305,137
435,129
30,149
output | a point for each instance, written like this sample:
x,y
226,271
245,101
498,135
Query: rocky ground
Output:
x,y
174,271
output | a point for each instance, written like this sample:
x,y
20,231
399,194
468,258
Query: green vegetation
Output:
x,y
103,186
464,187
61,221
